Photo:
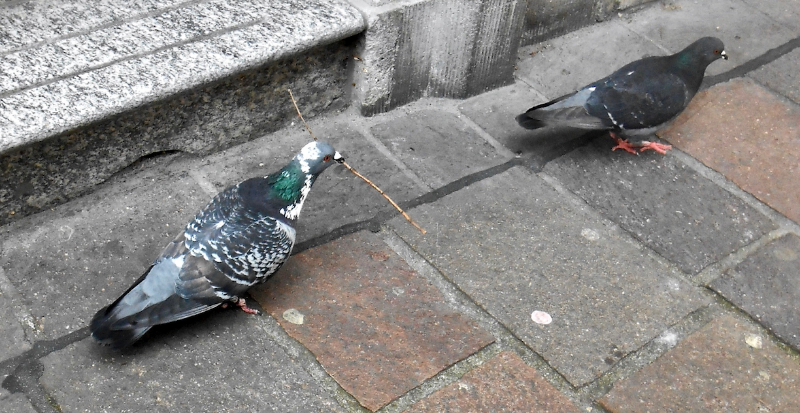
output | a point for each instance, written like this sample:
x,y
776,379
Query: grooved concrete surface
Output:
x,y
619,250
113,65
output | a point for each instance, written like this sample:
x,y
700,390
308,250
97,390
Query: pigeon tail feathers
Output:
x,y
103,332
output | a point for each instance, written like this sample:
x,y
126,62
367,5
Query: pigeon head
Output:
x,y
702,53
317,156
290,186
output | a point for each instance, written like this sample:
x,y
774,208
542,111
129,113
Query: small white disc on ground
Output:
x,y
540,317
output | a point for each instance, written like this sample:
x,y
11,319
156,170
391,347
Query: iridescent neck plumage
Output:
x,y
291,185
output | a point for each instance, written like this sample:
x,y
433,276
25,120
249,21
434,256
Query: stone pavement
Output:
x,y
672,281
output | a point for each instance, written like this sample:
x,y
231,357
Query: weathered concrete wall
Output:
x,y
545,19
444,48
201,120
455,48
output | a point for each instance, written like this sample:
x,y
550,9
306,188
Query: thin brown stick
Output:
x,y
350,168
300,114
408,218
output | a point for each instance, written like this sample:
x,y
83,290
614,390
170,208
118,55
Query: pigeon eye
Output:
x,y
716,51
327,158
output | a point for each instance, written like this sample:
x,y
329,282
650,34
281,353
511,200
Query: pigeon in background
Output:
x,y
634,100
238,240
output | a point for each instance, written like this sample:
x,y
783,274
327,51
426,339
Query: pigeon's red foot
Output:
x,y
241,303
623,144
658,147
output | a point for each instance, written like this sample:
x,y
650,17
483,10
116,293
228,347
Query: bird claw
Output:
x,y
242,304
643,146
623,144
658,147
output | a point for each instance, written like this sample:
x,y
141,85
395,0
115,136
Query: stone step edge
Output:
x,y
35,114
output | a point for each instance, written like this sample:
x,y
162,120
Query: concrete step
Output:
x,y
88,87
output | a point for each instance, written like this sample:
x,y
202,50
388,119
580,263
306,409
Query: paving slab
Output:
x,y
781,75
218,361
515,245
379,328
746,31
437,146
338,196
750,135
713,370
784,12
563,65
69,262
16,403
767,286
668,206
503,384
495,111
12,337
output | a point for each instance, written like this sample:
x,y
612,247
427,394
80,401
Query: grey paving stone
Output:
x,y
784,12
437,146
222,361
767,286
746,32
781,75
338,196
681,215
12,337
515,245
14,403
562,65
69,262
495,111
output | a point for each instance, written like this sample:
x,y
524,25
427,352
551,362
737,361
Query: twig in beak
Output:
x,y
408,218
341,161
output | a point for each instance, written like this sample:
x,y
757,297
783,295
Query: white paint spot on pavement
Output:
x,y
540,317
293,316
669,338
754,341
590,234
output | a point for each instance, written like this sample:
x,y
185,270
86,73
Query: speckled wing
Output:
x,y
245,244
638,96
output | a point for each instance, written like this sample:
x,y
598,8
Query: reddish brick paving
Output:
x,y
379,328
503,384
748,134
713,370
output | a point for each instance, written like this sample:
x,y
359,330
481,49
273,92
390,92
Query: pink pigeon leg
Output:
x,y
622,144
658,147
243,305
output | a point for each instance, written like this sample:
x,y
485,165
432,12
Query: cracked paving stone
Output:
x,y
748,134
379,328
516,245
713,370
502,384
218,361
669,207
766,285
438,146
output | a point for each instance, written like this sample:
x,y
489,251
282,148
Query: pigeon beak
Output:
x,y
723,55
338,157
